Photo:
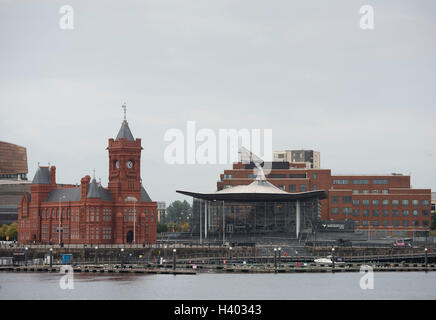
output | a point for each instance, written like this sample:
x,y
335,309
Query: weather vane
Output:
x,y
124,107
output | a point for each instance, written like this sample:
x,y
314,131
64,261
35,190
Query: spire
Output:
x,y
93,190
125,130
42,176
124,107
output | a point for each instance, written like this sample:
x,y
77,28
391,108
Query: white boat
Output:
x,y
328,260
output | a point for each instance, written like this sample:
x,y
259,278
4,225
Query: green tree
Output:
x,y
179,212
162,227
433,221
12,231
3,230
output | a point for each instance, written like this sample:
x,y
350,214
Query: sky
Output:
x,y
305,69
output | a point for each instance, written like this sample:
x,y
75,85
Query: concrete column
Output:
x,y
297,221
224,225
205,219
201,222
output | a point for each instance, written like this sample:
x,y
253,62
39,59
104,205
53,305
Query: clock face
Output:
x,y
129,164
117,164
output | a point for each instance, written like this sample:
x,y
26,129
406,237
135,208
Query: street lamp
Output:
x,y
96,252
230,252
280,253
60,214
25,256
51,257
426,252
174,259
275,260
333,257
122,258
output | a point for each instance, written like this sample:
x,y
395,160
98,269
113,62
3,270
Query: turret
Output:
x,y
53,176
84,182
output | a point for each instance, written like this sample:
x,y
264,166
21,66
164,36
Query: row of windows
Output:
x,y
376,213
107,233
129,214
107,214
376,202
293,188
92,233
373,191
92,214
23,176
394,223
72,213
274,176
360,181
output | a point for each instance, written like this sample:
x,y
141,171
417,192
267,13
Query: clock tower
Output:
x,y
125,164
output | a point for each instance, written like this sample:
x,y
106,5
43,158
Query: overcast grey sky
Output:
x,y
364,98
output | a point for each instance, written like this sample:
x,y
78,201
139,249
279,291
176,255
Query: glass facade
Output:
x,y
252,221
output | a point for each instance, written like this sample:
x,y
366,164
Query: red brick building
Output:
x,y
373,202
89,213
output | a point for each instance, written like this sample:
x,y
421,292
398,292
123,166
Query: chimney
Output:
x,y
53,176
84,186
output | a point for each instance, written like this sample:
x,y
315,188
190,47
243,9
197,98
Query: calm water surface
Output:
x,y
395,285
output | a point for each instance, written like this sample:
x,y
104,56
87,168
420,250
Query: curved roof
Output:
x,y
257,186
258,190
125,132
13,158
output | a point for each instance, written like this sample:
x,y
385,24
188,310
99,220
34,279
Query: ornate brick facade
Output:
x,y
89,213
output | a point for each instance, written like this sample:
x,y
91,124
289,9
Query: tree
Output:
x,y
3,230
433,221
162,227
179,212
185,226
12,231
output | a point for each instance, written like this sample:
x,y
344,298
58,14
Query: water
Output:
x,y
205,286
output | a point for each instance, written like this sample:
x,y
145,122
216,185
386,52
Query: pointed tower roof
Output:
x,y
93,191
125,132
42,176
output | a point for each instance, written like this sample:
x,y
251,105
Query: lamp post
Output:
x,y
333,258
230,253
280,254
122,258
96,253
25,256
275,260
174,259
426,252
60,215
51,257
